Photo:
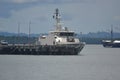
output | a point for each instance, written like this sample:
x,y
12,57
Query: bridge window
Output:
x,y
66,34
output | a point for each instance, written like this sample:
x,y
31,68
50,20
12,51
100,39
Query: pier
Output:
x,y
26,49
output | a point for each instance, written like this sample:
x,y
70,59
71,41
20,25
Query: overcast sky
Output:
x,y
78,15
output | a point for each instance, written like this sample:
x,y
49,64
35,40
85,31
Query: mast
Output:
x,y
111,33
18,31
57,18
29,33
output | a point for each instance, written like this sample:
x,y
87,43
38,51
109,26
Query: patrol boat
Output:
x,y
61,41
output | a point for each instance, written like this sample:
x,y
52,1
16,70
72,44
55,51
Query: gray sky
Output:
x,y
78,15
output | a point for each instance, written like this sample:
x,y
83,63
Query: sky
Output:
x,y
78,15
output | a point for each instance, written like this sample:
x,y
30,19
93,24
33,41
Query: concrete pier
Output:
x,y
24,49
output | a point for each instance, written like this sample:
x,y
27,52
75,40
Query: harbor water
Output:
x,y
93,63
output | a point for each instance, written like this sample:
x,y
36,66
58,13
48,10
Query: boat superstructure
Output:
x,y
60,36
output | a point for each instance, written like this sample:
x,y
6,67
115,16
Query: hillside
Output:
x,y
90,38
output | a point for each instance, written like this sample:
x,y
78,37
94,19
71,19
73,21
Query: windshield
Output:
x,y
66,34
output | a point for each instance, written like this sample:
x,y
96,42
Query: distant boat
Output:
x,y
112,42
